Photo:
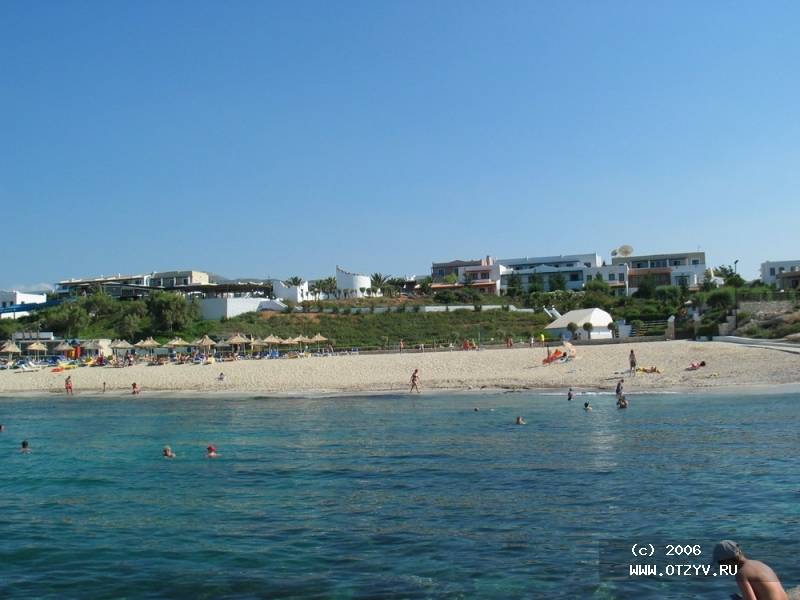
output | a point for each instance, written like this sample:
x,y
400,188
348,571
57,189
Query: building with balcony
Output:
x,y
771,271
573,268
686,269
175,279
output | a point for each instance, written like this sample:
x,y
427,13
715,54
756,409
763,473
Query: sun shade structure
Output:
x,y
319,338
90,346
63,347
37,347
10,348
596,316
177,342
238,339
271,339
148,343
118,345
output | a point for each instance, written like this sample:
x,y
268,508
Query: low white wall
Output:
x,y
215,308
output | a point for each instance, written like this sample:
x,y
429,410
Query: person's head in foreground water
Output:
x,y
211,451
586,406
756,580
521,421
168,453
25,446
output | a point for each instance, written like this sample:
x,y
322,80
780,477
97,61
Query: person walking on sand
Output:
x,y
632,361
415,382
756,580
68,385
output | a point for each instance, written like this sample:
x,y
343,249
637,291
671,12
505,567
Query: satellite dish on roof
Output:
x,y
625,250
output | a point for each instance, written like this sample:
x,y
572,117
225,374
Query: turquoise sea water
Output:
x,y
390,496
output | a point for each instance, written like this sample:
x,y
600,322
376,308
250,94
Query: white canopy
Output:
x,y
596,316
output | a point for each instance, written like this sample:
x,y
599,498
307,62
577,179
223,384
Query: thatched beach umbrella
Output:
x,y
36,347
10,348
319,338
237,340
63,347
177,342
205,342
117,345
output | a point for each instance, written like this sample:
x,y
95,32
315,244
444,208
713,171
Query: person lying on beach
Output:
x,y
168,453
221,377
652,369
211,451
521,421
696,365
756,580
586,406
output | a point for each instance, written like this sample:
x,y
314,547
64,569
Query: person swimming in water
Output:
x,y
586,406
521,421
25,447
622,402
211,451
168,453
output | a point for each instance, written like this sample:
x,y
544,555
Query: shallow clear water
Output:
x,y
389,496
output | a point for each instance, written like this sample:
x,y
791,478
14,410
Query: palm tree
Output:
x,y
293,281
587,327
378,280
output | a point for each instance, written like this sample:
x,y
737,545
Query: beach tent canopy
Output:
x,y
149,343
303,339
319,338
596,316
37,347
90,345
177,342
271,339
63,347
289,341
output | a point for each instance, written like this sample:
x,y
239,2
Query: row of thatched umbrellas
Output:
x,y
204,342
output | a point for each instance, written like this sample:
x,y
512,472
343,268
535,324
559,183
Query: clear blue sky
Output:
x,y
274,139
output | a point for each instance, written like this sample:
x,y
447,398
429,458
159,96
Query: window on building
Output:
x,y
622,276
587,265
695,261
676,263
612,276
781,270
772,271
659,263
574,276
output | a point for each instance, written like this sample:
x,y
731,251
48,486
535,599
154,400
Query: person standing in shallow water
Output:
x,y
570,394
415,381
68,385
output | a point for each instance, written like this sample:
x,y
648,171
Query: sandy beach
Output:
x,y
595,368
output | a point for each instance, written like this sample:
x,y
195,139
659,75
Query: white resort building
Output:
x,y
352,285
12,303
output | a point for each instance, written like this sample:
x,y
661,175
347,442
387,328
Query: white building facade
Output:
x,y
572,267
681,268
352,285
13,299
771,270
